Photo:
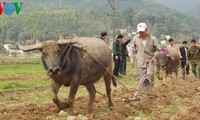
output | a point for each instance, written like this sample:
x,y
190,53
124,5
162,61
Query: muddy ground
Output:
x,y
172,100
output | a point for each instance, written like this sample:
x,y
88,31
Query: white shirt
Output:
x,y
144,42
185,51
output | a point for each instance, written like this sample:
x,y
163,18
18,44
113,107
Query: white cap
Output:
x,y
141,27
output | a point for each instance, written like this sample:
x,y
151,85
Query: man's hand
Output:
x,y
116,57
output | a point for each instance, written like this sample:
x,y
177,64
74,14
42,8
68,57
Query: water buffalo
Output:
x,y
69,63
168,60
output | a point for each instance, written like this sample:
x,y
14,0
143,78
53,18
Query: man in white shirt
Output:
x,y
172,45
145,48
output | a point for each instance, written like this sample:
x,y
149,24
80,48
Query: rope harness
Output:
x,y
62,55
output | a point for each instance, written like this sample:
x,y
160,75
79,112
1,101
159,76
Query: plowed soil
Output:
x,y
173,100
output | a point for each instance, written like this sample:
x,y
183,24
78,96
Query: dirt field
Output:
x,y
174,100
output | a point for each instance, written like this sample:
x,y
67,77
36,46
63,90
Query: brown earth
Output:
x,y
174,100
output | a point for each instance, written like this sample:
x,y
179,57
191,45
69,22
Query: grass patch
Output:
x,y
141,114
22,85
102,111
31,58
7,69
173,107
43,98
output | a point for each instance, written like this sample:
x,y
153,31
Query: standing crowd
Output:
x,y
143,49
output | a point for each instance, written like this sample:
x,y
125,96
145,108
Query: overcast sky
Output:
x,y
182,5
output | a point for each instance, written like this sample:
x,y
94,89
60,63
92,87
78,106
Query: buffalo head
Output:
x,y
163,59
53,53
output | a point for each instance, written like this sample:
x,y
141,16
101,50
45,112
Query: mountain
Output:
x,y
45,19
184,6
99,5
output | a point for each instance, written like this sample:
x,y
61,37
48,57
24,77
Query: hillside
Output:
x,y
184,6
100,5
46,19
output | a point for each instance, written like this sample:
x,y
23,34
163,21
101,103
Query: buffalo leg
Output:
x,y
55,89
158,74
165,78
92,91
107,79
167,75
176,73
73,89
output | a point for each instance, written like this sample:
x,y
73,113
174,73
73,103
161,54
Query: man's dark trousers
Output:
x,y
185,70
116,65
123,65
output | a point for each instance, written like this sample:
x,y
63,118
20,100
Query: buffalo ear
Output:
x,y
40,49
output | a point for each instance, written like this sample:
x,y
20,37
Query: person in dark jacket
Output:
x,y
103,35
117,54
184,65
122,69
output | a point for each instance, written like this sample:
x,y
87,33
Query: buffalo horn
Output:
x,y
30,47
